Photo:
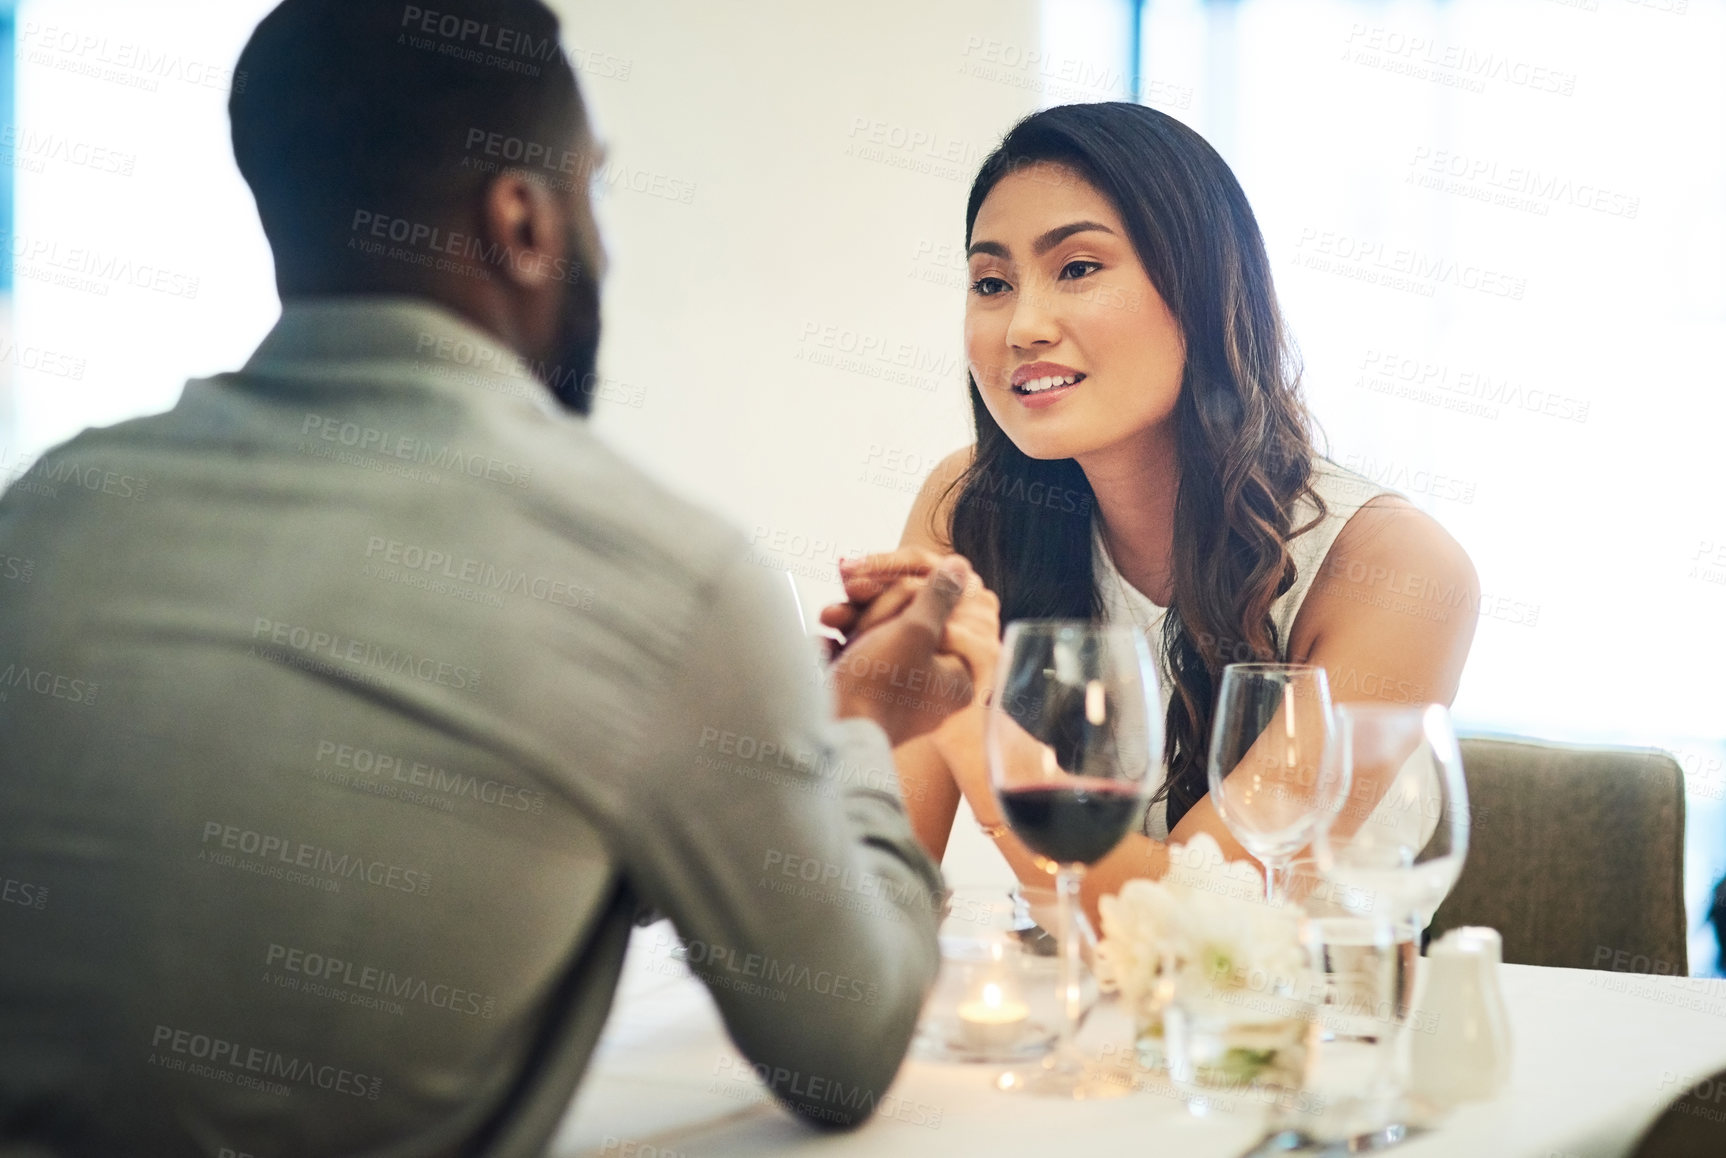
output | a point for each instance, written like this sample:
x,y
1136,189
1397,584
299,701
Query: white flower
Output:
x,y
1204,926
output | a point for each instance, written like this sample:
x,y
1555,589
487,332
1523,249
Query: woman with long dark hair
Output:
x,y
1143,456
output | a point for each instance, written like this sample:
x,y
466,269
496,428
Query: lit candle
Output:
x,y
993,1023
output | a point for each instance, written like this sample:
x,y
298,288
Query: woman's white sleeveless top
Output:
x,y
1343,491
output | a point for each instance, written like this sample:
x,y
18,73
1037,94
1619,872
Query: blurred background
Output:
x,y
1498,229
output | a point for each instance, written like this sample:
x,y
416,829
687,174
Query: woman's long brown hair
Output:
x,y
1245,447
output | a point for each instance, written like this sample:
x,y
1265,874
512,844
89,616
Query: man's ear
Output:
x,y
522,219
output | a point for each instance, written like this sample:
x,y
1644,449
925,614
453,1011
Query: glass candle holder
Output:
x,y
1249,1043
996,998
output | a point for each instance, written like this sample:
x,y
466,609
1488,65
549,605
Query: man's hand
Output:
x,y
911,669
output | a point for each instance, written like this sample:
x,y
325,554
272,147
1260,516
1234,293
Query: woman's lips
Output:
x,y
1042,388
1045,398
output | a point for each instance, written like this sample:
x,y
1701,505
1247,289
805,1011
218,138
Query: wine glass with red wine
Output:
x,y
1073,738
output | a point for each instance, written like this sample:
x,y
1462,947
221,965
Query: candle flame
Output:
x,y
992,995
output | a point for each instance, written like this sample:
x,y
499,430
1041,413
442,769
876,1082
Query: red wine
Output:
x,y
1072,824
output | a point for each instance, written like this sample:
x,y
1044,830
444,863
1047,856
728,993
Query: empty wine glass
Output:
x,y
1268,775
1072,736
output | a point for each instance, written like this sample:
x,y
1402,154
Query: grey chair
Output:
x,y
1576,855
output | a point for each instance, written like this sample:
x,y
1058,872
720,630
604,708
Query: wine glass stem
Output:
x,y
1276,880
1072,965
1390,1048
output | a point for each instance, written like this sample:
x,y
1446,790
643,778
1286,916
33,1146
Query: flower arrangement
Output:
x,y
1201,949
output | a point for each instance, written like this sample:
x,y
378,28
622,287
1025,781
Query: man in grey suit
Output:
x,y
354,709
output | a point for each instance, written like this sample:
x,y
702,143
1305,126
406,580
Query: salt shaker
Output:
x,y
1460,1049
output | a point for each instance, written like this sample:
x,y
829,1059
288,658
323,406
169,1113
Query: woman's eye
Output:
x,y
1074,270
988,287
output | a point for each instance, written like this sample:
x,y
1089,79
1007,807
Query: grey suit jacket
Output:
x,y
350,710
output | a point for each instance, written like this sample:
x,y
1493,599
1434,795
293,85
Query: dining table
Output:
x,y
1596,1056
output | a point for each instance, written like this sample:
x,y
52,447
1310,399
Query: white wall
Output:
x,y
794,330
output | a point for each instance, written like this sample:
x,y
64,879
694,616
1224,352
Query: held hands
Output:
x,y
885,590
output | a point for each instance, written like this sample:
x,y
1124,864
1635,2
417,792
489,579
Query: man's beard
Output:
x,y
574,378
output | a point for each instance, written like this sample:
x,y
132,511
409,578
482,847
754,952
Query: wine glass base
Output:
x,y
1073,1081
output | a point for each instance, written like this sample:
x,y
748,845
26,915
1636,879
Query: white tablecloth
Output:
x,y
1597,1055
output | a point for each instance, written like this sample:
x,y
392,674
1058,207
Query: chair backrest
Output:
x,y
1575,855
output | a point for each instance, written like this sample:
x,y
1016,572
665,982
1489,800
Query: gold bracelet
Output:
x,y
994,831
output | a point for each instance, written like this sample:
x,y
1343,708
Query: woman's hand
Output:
x,y
879,587
905,672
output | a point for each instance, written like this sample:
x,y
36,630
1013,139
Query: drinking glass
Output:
x,y
1268,775
1072,737
1397,840
1400,833
1364,970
